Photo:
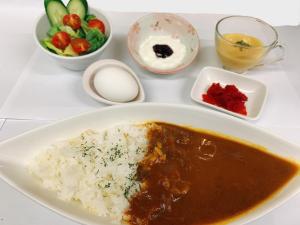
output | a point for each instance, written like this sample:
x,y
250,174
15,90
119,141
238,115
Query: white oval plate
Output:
x,y
253,89
15,153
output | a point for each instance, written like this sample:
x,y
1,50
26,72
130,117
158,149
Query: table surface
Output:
x,y
18,46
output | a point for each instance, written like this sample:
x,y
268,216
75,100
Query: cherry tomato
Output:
x,y
80,45
61,40
95,23
72,20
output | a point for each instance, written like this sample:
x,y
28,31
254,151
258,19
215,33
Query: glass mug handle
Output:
x,y
278,55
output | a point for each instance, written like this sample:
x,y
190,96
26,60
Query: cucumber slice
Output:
x,y
55,10
79,7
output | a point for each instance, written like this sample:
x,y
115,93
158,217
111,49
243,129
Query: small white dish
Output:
x,y
253,89
89,75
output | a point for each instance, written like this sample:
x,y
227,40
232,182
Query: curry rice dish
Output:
x,y
191,177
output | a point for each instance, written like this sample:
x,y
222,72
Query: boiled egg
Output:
x,y
116,84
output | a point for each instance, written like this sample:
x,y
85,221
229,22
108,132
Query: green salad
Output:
x,y
73,30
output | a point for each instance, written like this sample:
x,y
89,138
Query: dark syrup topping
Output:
x,y
162,51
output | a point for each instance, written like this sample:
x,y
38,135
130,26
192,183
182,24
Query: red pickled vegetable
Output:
x,y
229,98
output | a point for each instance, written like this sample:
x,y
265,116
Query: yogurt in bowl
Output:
x,y
162,51
163,43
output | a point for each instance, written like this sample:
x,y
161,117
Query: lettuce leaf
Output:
x,y
48,45
53,30
69,30
96,38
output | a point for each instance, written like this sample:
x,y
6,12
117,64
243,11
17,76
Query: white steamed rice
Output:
x,y
97,168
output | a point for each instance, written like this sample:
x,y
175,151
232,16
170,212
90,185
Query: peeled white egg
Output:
x,y
116,84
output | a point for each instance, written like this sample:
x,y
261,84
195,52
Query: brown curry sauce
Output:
x,y
191,178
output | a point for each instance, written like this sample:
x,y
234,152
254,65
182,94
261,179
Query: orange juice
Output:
x,y
239,52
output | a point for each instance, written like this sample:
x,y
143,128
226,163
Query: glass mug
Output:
x,y
243,42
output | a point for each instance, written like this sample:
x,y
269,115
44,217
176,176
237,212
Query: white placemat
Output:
x,y
47,91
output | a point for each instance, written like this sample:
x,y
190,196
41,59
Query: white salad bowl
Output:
x,y
16,152
72,62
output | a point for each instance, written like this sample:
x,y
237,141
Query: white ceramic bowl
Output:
x,y
15,153
253,89
76,62
163,24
